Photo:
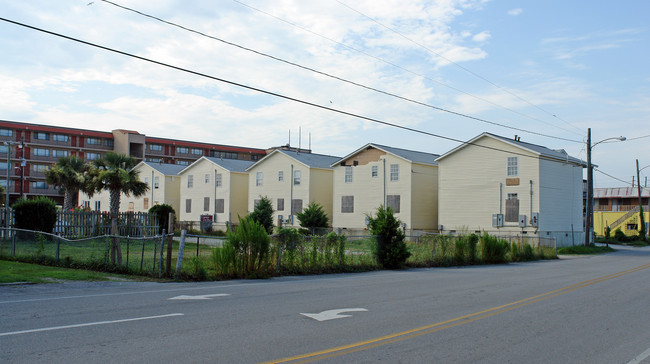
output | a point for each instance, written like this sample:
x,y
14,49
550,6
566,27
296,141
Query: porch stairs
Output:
x,y
623,218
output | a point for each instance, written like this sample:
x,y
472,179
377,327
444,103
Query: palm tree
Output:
x,y
71,174
115,173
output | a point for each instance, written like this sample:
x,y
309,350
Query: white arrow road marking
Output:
x,y
332,314
199,297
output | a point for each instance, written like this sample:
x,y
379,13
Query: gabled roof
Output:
x,y
311,160
559,155
409,155
166,169
232,165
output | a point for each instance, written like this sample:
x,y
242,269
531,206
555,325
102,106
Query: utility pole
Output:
x,y
589,191
642,231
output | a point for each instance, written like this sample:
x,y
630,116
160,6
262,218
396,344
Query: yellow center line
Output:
x,y
461,320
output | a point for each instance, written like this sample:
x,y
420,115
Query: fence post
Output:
x,y
198,238
179,258
58,246
142,256
170,229
127,251
162,247
13,241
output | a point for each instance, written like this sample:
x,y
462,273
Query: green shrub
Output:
x,y
162,211
493,249
620,235
528,253
223,259
514,252
472,242
251,244
391,251
313,219
460,250
441,250
36,214
608,233
263,214
197,270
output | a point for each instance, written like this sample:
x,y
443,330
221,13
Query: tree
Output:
x,y
115,173
37,214
263,214
313,218
71,174
391,249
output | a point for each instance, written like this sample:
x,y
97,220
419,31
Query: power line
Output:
x,y
610,176
641,137
342,112
461,67
401,68
335,77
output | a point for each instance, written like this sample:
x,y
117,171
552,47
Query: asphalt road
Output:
x,y
580,310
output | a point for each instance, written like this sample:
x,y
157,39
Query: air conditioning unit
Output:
x,y
497,220
522,221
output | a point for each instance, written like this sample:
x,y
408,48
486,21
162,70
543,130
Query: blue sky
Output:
x,y
551,67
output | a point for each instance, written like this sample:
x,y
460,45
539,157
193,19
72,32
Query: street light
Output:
x,y
589,221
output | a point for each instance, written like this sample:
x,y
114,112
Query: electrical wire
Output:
x,y
610,176
271,93
463,68
336,77
641,137
402,68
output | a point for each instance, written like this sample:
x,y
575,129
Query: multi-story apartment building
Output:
x,y
34,148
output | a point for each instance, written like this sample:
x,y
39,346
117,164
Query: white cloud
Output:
x,y
482,36
515,12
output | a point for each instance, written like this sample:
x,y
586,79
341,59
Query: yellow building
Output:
x,y
618,208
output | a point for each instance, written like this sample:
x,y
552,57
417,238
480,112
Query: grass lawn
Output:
x,y
582,250
11,272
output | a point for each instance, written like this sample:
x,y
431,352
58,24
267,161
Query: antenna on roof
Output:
x,y
299,138
289,144
310,141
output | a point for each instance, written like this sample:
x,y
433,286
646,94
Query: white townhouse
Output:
x,y
374,175
507,187
216,189
291,180
164,188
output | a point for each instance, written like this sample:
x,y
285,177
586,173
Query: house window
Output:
x,y
393,201
280,176
394,172
109,142
4,149
259,178
42,168
207,178
154,160
156,147
280,204
3,166
206,203
513,168
182,163
374,171
632,227
60,153
512,208
60,138
348,174
296,177
93,156
197,151
145,202
98,205
156,182
6,132
219,205
41,136
217,179
296,206
182,150
188,205
39,185
93,141
41,152
347,204
190,181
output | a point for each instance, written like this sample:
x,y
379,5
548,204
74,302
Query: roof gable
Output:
x,y
408,155
311,160
231,165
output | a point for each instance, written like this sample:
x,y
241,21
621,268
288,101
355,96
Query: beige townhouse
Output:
x,y
214,189
291,180
375,175
506,186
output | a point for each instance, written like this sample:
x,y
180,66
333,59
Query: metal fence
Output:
x,y
138,254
